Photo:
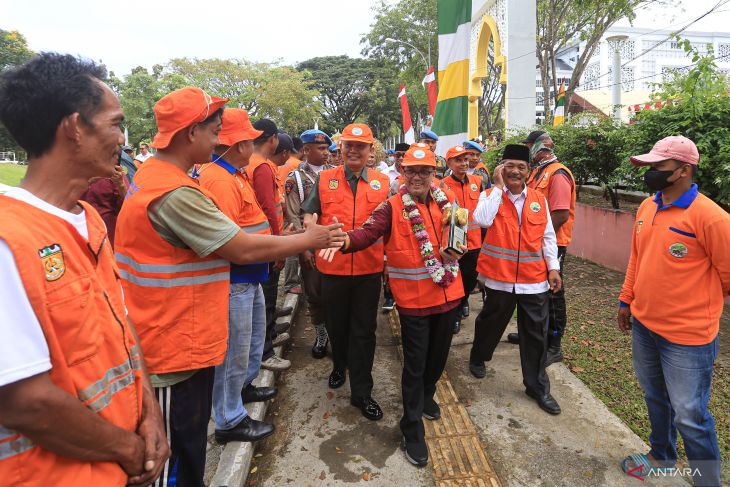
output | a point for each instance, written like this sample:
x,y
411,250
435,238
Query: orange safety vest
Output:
x,y
410,281
256,161
512,252
336,200
481,165
235,196
177,300
540,179
73,287
467,195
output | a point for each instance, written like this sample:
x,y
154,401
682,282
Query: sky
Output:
x,y
142,33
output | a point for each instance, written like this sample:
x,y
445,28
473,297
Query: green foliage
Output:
x,y
13,49
353,89
415,22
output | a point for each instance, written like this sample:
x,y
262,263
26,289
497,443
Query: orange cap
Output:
x,y
182,108
236,127
357,132
455,151
419,155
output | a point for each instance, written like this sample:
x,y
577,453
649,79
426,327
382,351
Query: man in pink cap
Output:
x,y
677,277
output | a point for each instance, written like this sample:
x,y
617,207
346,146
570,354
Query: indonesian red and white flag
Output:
x,y
429,82
406,112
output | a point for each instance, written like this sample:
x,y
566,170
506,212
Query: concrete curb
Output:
x,y
235,459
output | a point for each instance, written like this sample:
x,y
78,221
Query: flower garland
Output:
x,y
444,273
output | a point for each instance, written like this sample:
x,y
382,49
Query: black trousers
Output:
x,y
532,326
558,317
186,410
468,271
426,343
271,290
351,311
312,280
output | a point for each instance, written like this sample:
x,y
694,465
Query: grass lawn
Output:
x,y
11,174
601,356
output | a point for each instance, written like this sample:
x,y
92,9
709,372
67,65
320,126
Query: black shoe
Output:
x,y
283,312
337,378
513,338
388,304
282,327
416,452
319,349
546,402
478,370
247,430
465,310
431,410
457,327
251,393
554,354
370,409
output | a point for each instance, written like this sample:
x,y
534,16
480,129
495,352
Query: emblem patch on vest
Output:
x,y
535,206
334,184
375,184
545,176
52,258
678,250
473,187
638,226
405,214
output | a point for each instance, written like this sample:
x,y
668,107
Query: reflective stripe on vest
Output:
x,y
415,274
259,227
513,255
172,269
15,446
115,379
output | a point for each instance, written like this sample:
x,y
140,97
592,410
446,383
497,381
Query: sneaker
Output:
x,y
280,339
389,304
275,363
319,349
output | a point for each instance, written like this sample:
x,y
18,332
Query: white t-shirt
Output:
x,y
23,347
141,157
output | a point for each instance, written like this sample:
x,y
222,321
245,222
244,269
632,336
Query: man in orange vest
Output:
x,y
174,248
264,176
556,182
518,266
466,188
677,277
351,283
425,284
246,311
76,404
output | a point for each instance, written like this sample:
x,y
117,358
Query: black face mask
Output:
x,y
657,180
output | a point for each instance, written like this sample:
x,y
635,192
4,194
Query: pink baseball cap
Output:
x,y
675,147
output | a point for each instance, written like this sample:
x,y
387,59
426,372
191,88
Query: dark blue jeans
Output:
x,y
676,381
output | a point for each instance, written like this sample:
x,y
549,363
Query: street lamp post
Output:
x,y
615,43
396,41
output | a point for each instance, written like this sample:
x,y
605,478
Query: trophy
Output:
x,y
457,228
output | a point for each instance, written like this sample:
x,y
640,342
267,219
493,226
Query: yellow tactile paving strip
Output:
x,y
458,457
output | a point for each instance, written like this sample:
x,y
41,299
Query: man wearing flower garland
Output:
x,y
426,286
518,266
351,283
466,189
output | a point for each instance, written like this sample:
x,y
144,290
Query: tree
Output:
x,y
412,21
13,49
353,89
561,23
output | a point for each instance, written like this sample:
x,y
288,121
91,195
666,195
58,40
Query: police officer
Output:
x,y
476,166
351,283
430,138
466,189
298,187
518,266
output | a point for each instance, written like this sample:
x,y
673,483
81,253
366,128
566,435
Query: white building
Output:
x,y
647,57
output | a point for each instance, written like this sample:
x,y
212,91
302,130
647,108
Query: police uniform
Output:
x,y
297,188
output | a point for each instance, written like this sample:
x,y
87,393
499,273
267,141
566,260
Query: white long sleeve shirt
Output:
x,y
484,215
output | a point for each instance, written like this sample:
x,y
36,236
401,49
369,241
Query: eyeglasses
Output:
x,y
424,173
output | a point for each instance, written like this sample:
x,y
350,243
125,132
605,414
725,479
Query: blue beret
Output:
x,y
333,147
315,137
468,144
428,134
390,151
